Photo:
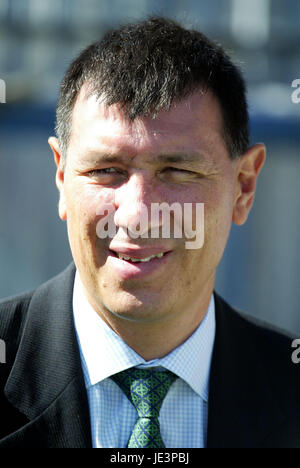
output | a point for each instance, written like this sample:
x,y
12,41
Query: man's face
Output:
x,y
180,156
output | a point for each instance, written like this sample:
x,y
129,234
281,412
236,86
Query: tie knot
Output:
x,y
145,388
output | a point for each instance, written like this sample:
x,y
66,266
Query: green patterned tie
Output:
x,y
146,390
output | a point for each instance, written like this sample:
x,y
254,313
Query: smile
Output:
x,y
137,260
126,267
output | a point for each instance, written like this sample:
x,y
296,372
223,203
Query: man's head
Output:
x,y
148,66
156,114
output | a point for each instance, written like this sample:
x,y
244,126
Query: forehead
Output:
x,y
195,120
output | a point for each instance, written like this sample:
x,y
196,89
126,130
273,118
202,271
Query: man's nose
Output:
x,y
133,204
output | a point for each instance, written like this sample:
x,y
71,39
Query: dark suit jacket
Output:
x,y
254,398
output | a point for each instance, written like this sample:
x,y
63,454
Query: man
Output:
x,y
131,346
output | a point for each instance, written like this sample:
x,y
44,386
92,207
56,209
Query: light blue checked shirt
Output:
x,y
183,414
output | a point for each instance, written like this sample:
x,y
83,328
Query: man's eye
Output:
x,y
179,175
108,173
178,171
107,176
107,170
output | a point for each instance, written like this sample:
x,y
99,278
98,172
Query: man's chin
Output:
x,y
137,314
134,310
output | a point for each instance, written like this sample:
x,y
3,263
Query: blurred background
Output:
x,y
260,271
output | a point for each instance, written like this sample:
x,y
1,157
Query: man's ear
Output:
x,y
248,168
60,175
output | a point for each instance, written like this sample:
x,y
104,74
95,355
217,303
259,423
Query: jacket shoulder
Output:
x,y
267,336
12,316
13,310
273,349
251,325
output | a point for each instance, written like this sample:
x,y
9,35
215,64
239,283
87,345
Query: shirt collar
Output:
x,y
104,353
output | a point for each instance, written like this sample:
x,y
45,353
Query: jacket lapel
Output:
x,y
46,383
242,407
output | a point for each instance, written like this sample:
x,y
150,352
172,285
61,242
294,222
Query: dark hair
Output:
x,y
147,66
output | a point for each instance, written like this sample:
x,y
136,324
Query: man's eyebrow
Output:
x,y
167,158
193,159
180,157
103,157
110,158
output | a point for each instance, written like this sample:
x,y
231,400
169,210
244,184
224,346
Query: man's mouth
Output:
x,y
128,261
138,260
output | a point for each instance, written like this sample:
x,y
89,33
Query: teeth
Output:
x,y
136,260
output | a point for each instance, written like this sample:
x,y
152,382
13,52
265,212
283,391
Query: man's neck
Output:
x,y
156,339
